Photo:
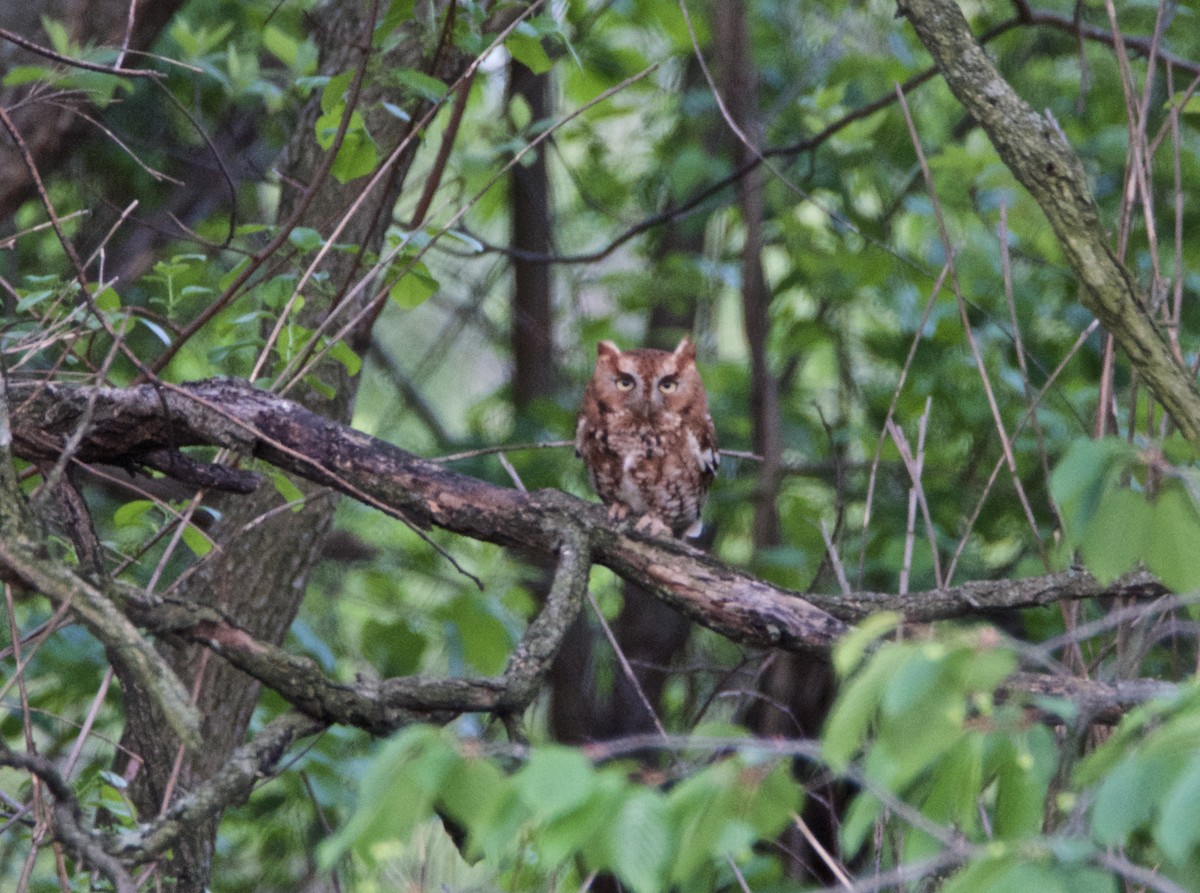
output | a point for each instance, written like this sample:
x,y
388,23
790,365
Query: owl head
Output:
x,y
647,382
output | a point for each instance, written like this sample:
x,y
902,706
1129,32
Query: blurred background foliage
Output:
x,y
851,252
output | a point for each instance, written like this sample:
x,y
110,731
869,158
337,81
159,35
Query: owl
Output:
x,y
646,437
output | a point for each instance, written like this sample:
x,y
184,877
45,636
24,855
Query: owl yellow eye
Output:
x,y
668,384
624,382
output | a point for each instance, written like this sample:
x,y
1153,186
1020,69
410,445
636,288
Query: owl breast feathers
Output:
x,y
646,437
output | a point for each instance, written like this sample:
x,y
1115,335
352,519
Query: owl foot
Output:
x,y
618,511
653,526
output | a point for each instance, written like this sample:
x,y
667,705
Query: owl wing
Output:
x,y
580,435
707,454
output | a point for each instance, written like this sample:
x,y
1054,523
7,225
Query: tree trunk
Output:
x,y
258,572
534,363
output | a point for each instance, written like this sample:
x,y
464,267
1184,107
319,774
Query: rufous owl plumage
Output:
x,y
646,437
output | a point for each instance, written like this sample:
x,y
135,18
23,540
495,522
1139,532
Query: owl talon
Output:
x,y
618,511
652,526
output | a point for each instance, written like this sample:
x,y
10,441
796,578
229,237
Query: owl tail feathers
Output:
x,y
695,530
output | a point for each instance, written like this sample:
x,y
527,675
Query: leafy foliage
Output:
x,y
865,330
555,813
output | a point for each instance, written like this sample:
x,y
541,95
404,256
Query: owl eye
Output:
x,y
624,382
668,384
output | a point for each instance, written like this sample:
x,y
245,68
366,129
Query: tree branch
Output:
x,y
232,785
68,828
21,561
229,413
224,412
1035,150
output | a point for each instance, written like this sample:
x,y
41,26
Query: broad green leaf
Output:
x,y
286,488
1023,766
419,83
132,512
1080,478
1116,538
473,794
20,75
195,540
775,799
1126,798
283,46
527,49
357,156
856,706
641,842
485,641
305,238
414,288
342,352
395,794
1173,540
859,822
556,780
1177,829
852,647
32,299
699,808
956,785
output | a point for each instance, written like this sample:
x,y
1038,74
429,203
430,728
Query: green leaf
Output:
x,y
1126,798
484,639
641,842
699,808
1023,767
195,540
19,75
283,46
527,49
1080,478
415,287
852,647
1116,538
108,300
1173,540
131,513
395,794
1178,827
305,238
341,352
357,156
555,781
775,800
33,299
856,706
57,32
956,785
474,793
423,85
859,822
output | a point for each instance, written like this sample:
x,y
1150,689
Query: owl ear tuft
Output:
x,y
686,351
607,349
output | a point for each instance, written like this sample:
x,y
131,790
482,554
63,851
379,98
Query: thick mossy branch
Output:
x,y
382,706
1035,150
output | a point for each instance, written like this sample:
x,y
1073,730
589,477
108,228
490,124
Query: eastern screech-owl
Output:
x,y
646,437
